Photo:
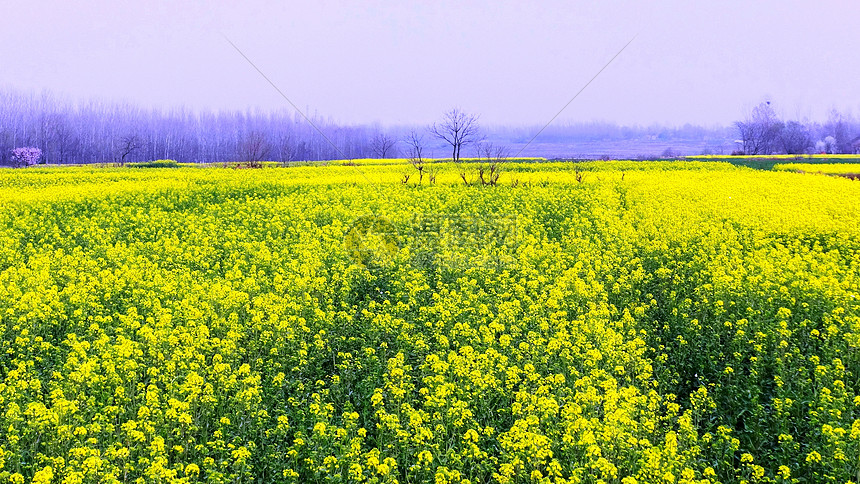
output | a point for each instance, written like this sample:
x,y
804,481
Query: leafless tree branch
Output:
x,y
457,129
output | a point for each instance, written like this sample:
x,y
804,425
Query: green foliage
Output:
x,y
155,164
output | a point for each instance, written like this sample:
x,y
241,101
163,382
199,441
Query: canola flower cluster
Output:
x,y
673,322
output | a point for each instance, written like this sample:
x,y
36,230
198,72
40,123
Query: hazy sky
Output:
x,y
409,61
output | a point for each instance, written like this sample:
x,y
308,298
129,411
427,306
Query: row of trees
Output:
x,y
97,132
763,133
104,132
100,132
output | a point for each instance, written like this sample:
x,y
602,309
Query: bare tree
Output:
x,y
669,152
457,129
493,157
127,145
254,148
286,148
383,145
4,144
837,126
795,138
63,140
415,147
760,132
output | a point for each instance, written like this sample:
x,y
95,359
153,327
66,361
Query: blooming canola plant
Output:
x,y
632,322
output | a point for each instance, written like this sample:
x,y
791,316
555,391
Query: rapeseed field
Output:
x,y
606,322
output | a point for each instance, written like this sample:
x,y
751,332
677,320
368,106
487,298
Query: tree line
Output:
x,y
67,132
63,132
764,133
110,132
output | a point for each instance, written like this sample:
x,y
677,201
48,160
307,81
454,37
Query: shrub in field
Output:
x,y
155,164
26,156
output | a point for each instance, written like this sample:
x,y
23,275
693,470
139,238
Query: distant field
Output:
x,y
683,321
822,156
768,162
825,168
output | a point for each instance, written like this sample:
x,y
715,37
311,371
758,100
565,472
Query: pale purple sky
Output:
x,y
409,61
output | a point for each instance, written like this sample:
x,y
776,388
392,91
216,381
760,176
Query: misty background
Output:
x,y
79,79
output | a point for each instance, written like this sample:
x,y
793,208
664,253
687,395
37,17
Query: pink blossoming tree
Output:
x,y
27,156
